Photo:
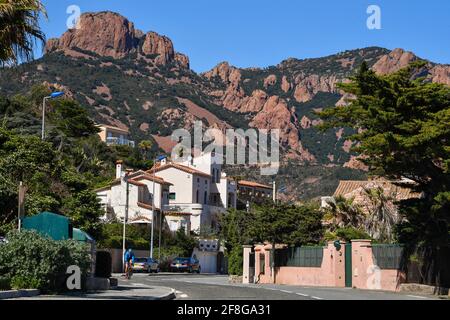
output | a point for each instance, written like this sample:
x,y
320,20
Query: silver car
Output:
x,y
146,265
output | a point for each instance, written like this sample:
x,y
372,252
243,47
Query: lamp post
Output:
x,y
54,95
125,219
160,158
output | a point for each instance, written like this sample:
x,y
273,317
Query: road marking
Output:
x,y
178,292
302,294
184,296
420,297
286,291
317,298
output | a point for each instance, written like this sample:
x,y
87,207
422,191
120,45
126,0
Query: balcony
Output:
x,y
114,141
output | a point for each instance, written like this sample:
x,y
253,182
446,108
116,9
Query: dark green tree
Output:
x,y
403,124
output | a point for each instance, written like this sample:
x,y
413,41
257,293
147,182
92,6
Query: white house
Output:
x,y
199,189
141,188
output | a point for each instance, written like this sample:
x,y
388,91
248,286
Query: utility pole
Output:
x,y
125,219
21,207
153,210
275,192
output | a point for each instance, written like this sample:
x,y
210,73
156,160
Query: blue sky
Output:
x,y
260,33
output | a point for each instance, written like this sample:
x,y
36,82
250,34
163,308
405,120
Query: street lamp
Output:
x,y
160,158
54,95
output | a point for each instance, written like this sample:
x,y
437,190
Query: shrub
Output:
x,y
235,261
32,260
347,234
23,282
5,284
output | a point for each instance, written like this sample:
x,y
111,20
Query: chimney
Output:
x,y
119,169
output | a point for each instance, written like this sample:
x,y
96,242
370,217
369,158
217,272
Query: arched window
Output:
x,y
205,200
197,197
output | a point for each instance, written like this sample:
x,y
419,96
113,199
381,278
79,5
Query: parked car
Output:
x,y
146,265
185,265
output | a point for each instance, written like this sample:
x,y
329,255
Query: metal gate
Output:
x,y
348,265
251,269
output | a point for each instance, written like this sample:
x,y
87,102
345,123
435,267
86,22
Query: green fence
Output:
x,y
387,256
309,257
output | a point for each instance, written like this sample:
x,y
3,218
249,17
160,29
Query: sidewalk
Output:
x,y
122,292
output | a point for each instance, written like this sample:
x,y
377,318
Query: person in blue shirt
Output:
x,y
128,258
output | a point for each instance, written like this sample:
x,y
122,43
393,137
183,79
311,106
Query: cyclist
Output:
x,y
128,259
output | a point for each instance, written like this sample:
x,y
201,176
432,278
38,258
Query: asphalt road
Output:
x,y
216,287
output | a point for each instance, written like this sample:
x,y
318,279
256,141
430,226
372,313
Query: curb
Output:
x,y
19,294
171,296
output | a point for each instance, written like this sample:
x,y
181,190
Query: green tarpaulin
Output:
x,y
55,226
49,224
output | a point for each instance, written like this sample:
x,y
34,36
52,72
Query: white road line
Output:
x,y
317,298
178,292
286,291
420,297
184,296
302,294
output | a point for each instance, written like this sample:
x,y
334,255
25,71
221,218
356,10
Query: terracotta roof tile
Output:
x,y
253,184
179,167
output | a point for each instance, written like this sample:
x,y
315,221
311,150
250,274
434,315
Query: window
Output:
x,y
205,198
172,196
214,176
197,199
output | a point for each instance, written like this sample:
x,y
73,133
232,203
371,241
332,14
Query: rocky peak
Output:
x,y
155,44
224,71
105,33
109,34
394,61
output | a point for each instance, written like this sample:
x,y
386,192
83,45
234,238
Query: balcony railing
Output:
x,y
113,141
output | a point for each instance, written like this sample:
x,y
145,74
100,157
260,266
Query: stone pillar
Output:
x,y
246,265
338,264
361,262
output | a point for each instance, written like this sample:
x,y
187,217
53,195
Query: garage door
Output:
x,y
208,262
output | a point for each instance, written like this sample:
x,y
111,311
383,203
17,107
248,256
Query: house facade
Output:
x,y
114,136
141,189
198,188
254,192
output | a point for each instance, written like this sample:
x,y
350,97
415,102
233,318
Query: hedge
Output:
x,y
30,261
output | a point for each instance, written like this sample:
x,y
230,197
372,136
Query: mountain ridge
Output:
x,y
135,80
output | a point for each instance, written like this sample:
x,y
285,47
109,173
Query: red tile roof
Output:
x,y
152,178
147,206
253,184
186,169
177,214
348,186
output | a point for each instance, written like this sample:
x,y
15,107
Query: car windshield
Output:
x,y
140,260
181,260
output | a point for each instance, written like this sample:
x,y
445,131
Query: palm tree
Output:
x,y
343,212
145,146
382,214
19,29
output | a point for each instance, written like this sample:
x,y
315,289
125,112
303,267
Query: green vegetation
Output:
x,y
20,31
30,261
405,134
278,224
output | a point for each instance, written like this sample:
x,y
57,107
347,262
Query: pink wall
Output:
x,y
331,273
365,274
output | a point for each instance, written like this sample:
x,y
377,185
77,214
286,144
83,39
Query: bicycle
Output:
x,y
129,272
